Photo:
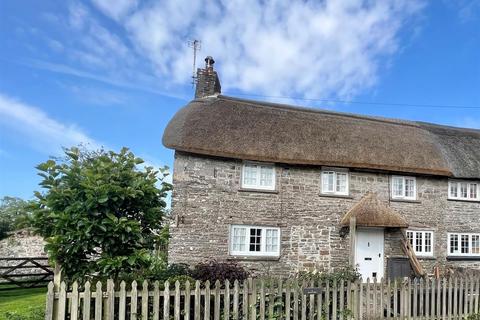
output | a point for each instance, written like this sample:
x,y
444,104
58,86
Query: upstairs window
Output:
x,y
464,244
258,176
404,188
464,190
421,242
334,182
254,241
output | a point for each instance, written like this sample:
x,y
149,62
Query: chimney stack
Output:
x,y
208,83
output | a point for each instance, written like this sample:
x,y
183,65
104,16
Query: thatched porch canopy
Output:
x,y
371,212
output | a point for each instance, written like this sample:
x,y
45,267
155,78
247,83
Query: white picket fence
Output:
x,y
453,298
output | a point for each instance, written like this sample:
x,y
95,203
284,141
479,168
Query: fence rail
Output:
x,y
453,298
24,272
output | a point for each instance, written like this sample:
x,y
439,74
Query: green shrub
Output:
x,y
214,270
475,316
345,274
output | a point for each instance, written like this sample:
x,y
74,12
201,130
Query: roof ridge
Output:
x,y
413,123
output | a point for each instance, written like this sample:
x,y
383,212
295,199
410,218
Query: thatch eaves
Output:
x,y
252,130
371,212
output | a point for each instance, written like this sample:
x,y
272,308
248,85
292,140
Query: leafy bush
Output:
x,y
101,213
182,280
15,214
475,316
214,270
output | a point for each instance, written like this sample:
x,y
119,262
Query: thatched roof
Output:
x,y
252,130
371,212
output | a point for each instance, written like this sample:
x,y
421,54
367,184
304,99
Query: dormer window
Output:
x,y
258,176
404,188
335,182
463,190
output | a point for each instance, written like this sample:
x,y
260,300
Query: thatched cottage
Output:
x,y
281,188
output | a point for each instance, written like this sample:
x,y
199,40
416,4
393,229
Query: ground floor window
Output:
x,y
254,240
464,244
421,242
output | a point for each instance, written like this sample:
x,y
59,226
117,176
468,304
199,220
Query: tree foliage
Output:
x,y
15,214
100,212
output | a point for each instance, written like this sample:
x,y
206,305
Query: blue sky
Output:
x,y
114,74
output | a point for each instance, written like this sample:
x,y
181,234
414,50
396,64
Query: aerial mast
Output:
x,y
196,45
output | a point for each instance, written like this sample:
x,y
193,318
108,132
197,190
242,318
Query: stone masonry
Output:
x,y
208,198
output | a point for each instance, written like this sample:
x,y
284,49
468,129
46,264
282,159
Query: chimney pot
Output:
x,y
208,83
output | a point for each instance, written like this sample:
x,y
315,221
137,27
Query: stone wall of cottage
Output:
x,y
208,198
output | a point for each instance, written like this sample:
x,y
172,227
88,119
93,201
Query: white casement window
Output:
x,y
258,176
464,190
464,244
335,182
404,188
421,242
254,241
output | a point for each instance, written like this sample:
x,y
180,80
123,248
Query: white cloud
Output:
x,y
469,122
115,9
42,132
275,47
331,48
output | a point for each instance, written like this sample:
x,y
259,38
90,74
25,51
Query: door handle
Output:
x,y
368,259
379,255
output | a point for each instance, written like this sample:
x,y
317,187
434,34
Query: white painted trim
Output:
x,y
393,196
335,172
414,247
458,183
258,186
459,253
262,252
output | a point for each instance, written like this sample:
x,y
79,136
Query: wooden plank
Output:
x,y
415,298
334,298
395,299
304,301
465,297
360,299
367,299
49,301
408,299
295,299
110,300
236,300
455,298
186,309
156,300
166,300
122,302
477,295
432,297
253,299
271,300
449,315
352,235
145,300
460,299
176,301
287,300
262,300
74,302
374,297
208,295
98,301
226,301
320,301
342,297
471,291
133,301
198,298
245,298
217,301
279,298
444,298
311,305
62,301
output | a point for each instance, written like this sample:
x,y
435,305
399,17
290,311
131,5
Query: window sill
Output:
x,y
464,200
331,195
426,258
253,258
463,258
257,190
404,200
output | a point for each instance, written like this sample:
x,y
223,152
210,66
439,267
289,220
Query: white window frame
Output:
x,y
263,242
257,186
422,253
459,244
326,172
458,184
403,196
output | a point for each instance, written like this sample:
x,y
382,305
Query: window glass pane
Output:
x,y
418,241
272,240
342,182
328,181
428,242
464,243
475,244
463,190
266,176
453,243
453,189
250,175
410,238
239,239
409,188
473,191
255,240
397,187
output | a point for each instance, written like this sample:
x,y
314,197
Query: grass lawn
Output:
x,y
21,301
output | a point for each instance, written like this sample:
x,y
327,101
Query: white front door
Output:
x,y
369,253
